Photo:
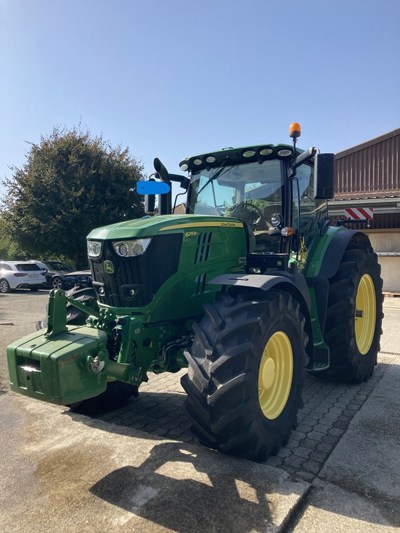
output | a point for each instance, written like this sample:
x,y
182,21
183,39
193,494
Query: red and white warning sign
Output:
x,y
359,213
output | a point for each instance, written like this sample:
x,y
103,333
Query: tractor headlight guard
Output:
x,y
94,248
131,248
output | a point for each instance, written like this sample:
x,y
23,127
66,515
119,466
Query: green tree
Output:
x,y
8,247
71,183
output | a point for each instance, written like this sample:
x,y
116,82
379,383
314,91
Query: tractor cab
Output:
x,y
252,185
277,191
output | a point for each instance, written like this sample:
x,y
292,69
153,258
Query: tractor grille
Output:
x,y
136,280
200,281
203,247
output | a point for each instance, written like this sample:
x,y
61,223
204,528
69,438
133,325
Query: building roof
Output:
x,y
367,144
370,170
368,175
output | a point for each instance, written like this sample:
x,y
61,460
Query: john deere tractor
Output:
x,y
248,289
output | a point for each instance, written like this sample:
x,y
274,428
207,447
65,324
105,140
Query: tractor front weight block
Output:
x,y
62,369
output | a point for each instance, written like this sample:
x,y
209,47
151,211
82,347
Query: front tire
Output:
x,y
115,396
75,317
87,296
354,316
245,375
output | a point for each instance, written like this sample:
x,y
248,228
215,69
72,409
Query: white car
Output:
x,y
20,275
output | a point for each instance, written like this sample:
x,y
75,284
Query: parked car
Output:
x,y
20,275
82,278
53,271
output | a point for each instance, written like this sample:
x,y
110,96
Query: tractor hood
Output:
x,y
164,224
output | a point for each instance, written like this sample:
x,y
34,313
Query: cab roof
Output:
x,y
232,156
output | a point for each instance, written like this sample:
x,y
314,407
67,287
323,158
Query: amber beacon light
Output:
x,y
294,130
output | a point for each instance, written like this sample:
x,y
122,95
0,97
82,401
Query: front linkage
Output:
x,y
67,364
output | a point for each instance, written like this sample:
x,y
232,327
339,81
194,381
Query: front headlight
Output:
x,y
94,248
131,248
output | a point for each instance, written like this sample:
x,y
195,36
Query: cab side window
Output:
x,y
312,211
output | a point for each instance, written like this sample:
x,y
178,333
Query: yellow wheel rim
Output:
x,y
365,314
275,375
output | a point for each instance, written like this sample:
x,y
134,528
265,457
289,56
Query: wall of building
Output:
x,y
387,246
368,175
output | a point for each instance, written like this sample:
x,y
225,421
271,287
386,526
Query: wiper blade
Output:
x,y
216,175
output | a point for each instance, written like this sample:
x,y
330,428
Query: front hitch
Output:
x,y
56,314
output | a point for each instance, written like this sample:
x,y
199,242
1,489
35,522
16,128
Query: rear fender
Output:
x,y
334,254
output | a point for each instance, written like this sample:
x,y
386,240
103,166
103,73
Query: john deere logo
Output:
x,y
108,267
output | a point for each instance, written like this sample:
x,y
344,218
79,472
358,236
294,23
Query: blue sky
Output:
x,y
173,78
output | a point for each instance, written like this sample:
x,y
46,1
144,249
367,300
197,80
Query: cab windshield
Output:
x,y
251,192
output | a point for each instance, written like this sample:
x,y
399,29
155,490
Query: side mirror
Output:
x,y
161,170
164,175
324,176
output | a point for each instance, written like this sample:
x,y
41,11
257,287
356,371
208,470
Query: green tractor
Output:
x,y
248,289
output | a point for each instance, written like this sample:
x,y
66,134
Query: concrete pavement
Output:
x,y
62,475
358,488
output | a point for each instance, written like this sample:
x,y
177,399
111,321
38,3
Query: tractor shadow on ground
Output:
x,y
183,490
156,415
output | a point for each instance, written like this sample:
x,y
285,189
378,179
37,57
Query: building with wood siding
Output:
x,y
368,176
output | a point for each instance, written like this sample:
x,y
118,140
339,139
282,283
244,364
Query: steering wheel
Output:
x,y
249,213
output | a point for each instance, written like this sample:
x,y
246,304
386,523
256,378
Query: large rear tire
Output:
x,y
245,375
354,317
